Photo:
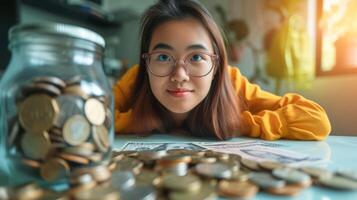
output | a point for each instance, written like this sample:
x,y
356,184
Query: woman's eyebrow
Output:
x,y
163,46
196,47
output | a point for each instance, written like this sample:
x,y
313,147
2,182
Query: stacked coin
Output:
x,y
61,126
186,174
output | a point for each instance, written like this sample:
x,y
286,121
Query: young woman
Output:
x,y
183,82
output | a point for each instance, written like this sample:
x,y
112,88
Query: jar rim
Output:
x,y
60,29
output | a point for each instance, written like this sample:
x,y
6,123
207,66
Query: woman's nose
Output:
x,y
180,74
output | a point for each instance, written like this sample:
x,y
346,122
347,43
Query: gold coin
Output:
x,y
149,177
287,190
95,157
206,192
240,176
82,188
101,138
94,111
100,192
231,189
74,158
36,146
196,159
271,165
250,164
116,155
129,164
39,88
31,163
172,160
100,173
55,131
188,183
54,169
217,155
76,90
84,150
26,191
56,138
37,113
75,80
59,83
76,130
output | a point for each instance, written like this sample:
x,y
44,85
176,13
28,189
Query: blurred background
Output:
x,y
303,46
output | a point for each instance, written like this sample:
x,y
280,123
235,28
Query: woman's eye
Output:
x,y
163,58
196,57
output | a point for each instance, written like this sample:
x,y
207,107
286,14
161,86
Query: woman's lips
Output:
x,y
179,92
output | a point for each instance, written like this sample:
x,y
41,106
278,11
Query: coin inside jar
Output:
x,y
37,113
76,130
94,111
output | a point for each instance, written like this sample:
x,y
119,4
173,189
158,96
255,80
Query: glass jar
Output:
x,y
56,103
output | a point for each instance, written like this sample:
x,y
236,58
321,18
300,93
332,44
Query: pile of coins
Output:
x,y
187,174
61,126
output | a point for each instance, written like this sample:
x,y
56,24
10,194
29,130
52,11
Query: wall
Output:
x,y
338,96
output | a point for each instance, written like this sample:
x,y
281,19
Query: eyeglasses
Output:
x,y
196,64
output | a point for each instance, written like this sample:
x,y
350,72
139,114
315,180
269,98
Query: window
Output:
x,y
336,39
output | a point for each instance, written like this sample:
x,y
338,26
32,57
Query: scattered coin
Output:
x,y
292,176
237,189
266,180
338,182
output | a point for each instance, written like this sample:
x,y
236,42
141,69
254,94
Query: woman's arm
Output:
x,y
272,117
123,91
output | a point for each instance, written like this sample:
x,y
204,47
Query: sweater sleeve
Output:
x,y
123,91
272,117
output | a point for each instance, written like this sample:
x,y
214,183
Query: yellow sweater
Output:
x,y
268,116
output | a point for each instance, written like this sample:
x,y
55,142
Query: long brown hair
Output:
x,y
218,115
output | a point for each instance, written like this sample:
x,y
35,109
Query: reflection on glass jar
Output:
x,y
56,103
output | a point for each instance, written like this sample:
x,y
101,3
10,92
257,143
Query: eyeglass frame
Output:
x,y
145,56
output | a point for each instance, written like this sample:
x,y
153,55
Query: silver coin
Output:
x,y
316,172
81,179
69,105
123,179
338,182
250,164
214,170
291,175
266,180
348,173
180,169
138,192
151,154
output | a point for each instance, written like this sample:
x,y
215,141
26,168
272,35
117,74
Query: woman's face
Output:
x,y
179,92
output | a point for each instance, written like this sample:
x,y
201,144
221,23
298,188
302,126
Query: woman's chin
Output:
x,y
179,110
